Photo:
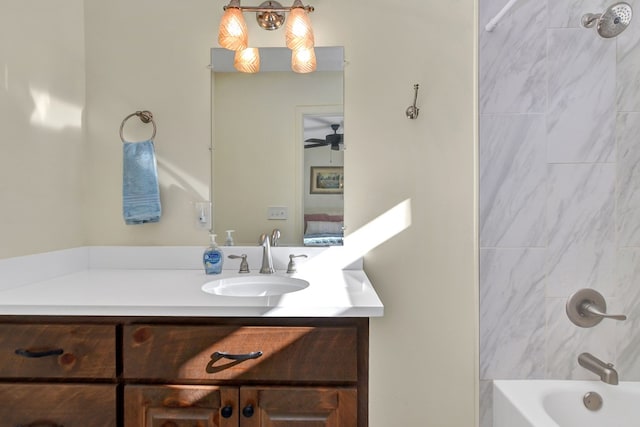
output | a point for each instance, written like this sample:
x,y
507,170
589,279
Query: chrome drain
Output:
x,y
592,401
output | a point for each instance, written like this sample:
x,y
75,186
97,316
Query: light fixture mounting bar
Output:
x,y
250,9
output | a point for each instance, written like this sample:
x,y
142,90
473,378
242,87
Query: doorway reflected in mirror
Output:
x,y
323,197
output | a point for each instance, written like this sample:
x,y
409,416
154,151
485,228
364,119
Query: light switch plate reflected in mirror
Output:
x,y
277,212
202,215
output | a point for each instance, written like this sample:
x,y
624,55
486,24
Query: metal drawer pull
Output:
x,y
241,357
248,411
235,359
226,412
34,354
40,424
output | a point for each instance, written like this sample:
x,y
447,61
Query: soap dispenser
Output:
x,y
213,257
229,241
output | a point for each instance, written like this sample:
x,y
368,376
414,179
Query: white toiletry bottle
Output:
x,y
229,241
213,257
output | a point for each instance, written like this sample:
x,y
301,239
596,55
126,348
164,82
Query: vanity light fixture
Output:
x,y
247,60
299,34
233,34
303,60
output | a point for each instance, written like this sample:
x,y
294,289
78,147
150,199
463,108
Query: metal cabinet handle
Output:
x,y
239,357
248,411
40,424
235,359
226,411
35,354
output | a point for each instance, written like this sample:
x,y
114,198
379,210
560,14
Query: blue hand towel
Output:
x,y
140,189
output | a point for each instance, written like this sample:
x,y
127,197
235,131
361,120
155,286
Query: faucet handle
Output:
x,y
291,268
275,237
244,265
587,308
593,310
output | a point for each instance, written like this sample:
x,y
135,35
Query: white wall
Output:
x,y
42,88
152,54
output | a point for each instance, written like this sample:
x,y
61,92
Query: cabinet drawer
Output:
x,y
327,354
57,351
68,405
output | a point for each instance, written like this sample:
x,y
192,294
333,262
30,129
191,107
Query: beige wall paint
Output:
x,y
153,54
42,147
423,351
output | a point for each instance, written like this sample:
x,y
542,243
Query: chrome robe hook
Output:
x,y
413,111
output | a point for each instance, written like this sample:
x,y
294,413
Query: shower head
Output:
x,y
612,22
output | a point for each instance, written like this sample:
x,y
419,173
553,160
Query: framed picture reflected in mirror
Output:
x,y
327,180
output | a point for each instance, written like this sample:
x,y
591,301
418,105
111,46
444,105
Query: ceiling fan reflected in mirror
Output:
x,y
335,140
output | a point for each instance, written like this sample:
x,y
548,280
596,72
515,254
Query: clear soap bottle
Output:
x,y
229,241
213,257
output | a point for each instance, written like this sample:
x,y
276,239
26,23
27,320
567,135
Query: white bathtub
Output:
x,y
550,403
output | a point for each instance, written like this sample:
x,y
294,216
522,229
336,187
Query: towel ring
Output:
x,y
145,116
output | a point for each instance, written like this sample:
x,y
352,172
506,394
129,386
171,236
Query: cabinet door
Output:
x,y
180,406
298,407
68,405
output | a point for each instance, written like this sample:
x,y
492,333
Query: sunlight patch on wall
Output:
x,y
178,177
367,237
52,112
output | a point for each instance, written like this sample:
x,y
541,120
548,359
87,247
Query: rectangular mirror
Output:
x,y
261,168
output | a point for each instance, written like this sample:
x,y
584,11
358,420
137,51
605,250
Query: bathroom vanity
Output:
x,y
121,347
175,372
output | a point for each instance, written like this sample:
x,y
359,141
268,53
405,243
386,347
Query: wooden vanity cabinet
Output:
x,y
299,407
266,375
48,404
208,406
180,406
169,372
58,375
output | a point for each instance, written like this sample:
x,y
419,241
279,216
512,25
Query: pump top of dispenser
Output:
x,y
229,240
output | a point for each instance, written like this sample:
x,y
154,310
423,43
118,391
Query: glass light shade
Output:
x,y
247,60
299,33
233,34
303,60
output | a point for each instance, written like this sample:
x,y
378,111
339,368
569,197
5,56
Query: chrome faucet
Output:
x,y
275,237
604,370
267,260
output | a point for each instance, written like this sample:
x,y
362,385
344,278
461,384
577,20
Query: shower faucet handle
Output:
x,y
592,309
587,307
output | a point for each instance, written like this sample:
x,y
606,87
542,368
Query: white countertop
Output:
x,y
152,291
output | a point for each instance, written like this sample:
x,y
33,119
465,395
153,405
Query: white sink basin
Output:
x,y
254,286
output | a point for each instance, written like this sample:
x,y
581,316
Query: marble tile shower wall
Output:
x,y
559,190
